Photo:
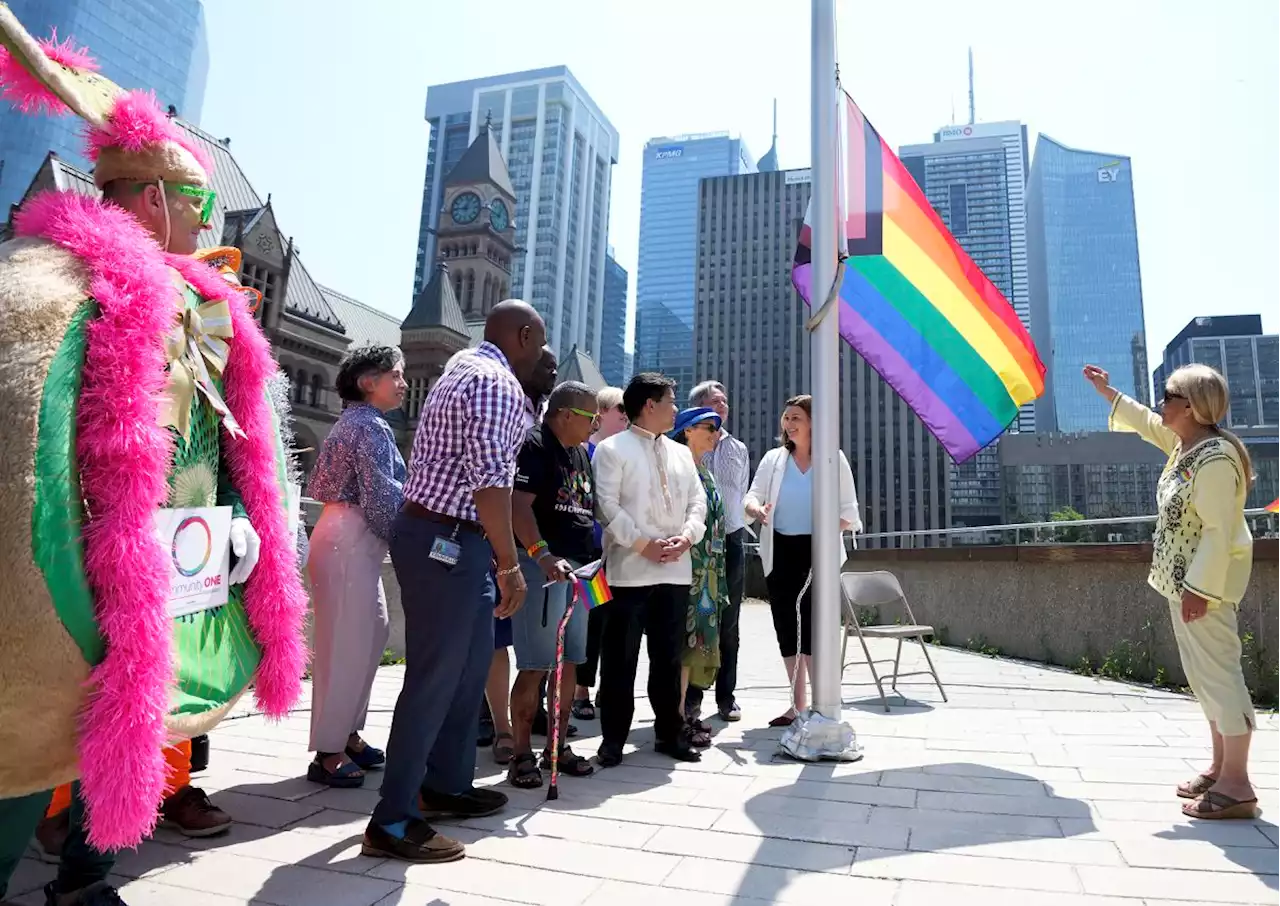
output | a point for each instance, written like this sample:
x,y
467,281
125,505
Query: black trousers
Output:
x,y
595,629
792,560
735,563
658,612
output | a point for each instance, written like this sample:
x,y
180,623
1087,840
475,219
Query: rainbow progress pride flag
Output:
x,y
916,307
593,590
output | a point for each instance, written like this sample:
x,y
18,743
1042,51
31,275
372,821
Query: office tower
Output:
x,y
613,336
161,47
1236,346
750,335
668,226
1086,289
560,150
975,177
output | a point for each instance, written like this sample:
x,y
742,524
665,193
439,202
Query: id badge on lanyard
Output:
x,y
446,550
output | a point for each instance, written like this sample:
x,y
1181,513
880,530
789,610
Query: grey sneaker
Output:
x,y
731,713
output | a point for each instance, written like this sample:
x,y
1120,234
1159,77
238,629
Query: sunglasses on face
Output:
x,y
206,197
593,416
1170,395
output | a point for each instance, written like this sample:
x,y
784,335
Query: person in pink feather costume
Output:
x,y
133,378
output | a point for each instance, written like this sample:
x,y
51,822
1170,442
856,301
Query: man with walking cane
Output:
x,y
552,511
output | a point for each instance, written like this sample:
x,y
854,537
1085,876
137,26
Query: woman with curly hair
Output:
x,y
359,477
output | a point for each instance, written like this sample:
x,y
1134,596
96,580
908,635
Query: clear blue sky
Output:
x,y
323,101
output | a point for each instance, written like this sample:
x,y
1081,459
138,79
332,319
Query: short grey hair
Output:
x,y
698,395
569,395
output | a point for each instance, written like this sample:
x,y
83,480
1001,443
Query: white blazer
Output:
x,y
768,484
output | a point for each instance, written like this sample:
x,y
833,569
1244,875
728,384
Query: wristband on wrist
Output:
x,y
535,551
510,570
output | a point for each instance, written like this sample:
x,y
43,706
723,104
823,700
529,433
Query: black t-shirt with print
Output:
x,y
564,493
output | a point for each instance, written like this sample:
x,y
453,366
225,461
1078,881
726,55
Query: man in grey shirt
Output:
x,y
730,464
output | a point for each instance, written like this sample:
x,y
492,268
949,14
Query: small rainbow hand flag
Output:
x,y
1274,506
593,590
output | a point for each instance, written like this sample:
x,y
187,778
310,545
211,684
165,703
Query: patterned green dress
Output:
x,y
708,593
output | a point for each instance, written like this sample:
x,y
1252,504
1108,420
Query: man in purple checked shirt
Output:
x,y
454,524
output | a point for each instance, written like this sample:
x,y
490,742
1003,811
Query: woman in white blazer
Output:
x,y
781,500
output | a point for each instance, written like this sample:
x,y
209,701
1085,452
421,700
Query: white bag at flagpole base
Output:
x,y
813,737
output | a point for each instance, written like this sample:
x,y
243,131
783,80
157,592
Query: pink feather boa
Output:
x,y
124,458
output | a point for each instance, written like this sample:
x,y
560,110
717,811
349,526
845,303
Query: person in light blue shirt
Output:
x,y
781,500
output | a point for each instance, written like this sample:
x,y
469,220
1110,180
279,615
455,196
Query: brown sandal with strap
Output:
x,y
1219,806
1194,789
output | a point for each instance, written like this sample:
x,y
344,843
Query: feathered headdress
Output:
x,y
128,136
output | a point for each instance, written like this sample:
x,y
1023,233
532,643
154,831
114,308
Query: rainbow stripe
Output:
x,y
1274,506
916,307
594,591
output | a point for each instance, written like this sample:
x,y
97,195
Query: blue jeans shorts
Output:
x,y
534,625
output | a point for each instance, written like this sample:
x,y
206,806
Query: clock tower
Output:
x,y
477,227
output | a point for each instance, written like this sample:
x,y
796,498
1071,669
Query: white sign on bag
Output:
x,y
294,500
197,544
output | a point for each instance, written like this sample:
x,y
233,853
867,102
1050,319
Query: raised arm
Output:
x,y
1128,414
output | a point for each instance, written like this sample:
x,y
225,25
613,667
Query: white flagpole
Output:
x,y
824,348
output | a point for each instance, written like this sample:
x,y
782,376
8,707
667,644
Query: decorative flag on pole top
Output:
x,y
916,307
1273,506
593,589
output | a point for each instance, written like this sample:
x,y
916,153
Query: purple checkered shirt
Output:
x,y
469,434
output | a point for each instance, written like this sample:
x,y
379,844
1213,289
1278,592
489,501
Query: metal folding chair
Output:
x,y
880,589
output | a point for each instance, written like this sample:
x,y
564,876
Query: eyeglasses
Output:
x,y
204,195
594,416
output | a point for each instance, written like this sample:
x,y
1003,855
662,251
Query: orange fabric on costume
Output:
x,y
178,775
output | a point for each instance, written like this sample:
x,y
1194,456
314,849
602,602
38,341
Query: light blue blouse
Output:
x,y
359,463
793,513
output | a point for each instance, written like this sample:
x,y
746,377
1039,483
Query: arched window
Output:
x,y
488,289
471,290
457,287
300,385
313,394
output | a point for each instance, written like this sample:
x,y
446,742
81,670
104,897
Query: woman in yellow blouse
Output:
x,y
1201,563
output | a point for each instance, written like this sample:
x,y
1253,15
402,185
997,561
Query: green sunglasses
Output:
x,y
207,197
594,416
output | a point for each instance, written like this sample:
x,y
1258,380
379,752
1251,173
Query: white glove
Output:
x,y
245,544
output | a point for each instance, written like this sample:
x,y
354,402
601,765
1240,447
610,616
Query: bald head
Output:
x,y
517,329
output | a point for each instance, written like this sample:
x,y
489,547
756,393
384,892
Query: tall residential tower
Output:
x,y
560,150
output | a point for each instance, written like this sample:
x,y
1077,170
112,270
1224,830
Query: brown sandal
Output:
x,y
1219,806
504,749
1194,789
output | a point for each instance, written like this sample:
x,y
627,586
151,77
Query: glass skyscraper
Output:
x,y
665,289
1236,346
560,150
158,45
613,335
1086,288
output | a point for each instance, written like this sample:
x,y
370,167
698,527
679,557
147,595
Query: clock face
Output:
x,y
498,215
465,208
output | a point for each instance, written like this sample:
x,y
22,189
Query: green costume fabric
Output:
x,y
708,593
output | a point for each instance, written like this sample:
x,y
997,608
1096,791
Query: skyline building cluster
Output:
x,y
1055,231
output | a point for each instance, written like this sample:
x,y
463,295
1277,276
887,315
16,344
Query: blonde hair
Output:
x,y
608,398
1208,398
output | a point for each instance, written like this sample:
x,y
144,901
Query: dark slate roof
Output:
x,y
578,366
482,162
436,306
366,326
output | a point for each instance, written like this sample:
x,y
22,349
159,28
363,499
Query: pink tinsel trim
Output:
x,y
274,599
124,456
27,93
137,123
124,459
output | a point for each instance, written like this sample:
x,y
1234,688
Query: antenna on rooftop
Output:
x,y
970,86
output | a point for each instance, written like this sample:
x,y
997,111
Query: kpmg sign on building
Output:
x,y
669,152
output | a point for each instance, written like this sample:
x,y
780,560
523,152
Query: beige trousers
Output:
x,y
351,626
1210,650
